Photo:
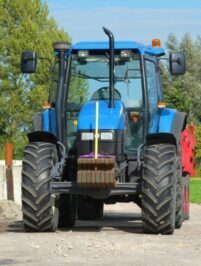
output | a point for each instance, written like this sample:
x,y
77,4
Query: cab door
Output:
x,y
152,95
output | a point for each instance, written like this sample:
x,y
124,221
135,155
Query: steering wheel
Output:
x,y
103,94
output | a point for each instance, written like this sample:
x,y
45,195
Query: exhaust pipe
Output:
x,y
111,73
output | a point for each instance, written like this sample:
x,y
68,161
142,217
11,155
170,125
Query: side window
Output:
x,y
152,86
160,87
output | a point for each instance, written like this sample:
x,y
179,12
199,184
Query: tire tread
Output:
x,y
158,189
37,209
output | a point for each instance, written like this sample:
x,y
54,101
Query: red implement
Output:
x,y
188,149
188,142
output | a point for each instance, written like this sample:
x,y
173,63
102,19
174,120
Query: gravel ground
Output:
x,y
117,239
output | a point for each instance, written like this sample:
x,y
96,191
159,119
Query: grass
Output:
x,y
195,190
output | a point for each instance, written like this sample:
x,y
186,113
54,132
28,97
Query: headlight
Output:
x,y
106,136
101,136
87,136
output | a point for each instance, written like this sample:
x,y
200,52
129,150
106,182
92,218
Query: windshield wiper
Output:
x,y
81,75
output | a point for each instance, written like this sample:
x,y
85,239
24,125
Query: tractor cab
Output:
x,y
136,85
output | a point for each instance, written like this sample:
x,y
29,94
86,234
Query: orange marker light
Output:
x,y
46,105
156,43
161,104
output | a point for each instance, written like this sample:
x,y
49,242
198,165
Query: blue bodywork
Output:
x,y
166,120
109,118
162,121
49,121
138,47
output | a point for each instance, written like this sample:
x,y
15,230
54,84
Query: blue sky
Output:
x,y
139,20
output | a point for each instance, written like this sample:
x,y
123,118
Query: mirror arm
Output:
x,y
42,58
46,58
170,60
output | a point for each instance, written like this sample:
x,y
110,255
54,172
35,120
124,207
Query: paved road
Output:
x,y
117,239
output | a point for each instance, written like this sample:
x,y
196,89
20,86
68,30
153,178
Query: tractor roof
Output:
x,y
142,49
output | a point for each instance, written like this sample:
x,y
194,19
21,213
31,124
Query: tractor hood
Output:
x,y
108,118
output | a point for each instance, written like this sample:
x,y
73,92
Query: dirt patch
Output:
x,y
116,239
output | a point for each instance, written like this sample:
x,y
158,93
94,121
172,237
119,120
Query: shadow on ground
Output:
x,y
126,222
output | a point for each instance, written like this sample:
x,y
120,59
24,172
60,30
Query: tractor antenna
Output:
x,y
111,73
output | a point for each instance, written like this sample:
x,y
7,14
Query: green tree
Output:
x,y
178,98
24,25
172,44
184,92
175,95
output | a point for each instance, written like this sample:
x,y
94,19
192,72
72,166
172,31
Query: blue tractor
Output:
x,y
105,136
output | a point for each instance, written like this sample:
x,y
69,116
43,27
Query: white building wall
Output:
x,y
17,168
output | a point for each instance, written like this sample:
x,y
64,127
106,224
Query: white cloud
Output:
x,y
127,23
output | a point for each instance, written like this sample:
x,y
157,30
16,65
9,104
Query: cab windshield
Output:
x,y
90,80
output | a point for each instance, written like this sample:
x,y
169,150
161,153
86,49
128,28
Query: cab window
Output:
x,y
152,86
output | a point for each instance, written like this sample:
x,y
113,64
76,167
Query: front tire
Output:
x,y
39,209
159,189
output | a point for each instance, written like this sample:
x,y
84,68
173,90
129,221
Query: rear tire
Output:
x,y
186,197
39,209
159,189
179,194
89,209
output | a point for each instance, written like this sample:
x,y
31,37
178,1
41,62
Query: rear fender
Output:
x,y
172,122
42,136
46,121
178,125
159,138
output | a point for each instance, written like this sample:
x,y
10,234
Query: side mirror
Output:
x,y
177,63
28,62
